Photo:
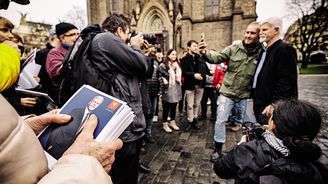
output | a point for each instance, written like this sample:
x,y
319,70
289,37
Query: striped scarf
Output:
x,y
276,143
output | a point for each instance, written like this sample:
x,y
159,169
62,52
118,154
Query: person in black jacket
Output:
x,y
276,73
110,53
194,70
284,153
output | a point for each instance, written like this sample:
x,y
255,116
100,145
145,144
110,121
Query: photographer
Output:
x,y
284,153
125,65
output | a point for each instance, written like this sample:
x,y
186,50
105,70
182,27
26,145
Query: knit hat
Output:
x,y
64,27
52,32
23,2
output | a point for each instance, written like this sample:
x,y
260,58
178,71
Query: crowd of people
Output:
x,y
253,80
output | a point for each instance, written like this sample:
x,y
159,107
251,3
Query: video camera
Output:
x,y
151,38
252,130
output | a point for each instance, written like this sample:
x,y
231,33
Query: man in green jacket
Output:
x,y
236,89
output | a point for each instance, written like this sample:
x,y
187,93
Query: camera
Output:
x,y
252,130
151,38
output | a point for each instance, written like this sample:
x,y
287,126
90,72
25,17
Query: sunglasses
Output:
x,y
72,34
5,29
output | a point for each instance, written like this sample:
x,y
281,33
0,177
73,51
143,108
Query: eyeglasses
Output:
x,y
5,30
72,34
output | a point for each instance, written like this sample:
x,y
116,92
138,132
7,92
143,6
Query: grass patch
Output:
x,y
314,69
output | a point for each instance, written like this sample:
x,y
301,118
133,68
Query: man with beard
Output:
x,y
236,89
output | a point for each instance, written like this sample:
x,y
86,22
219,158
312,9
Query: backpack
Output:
x,y
77,67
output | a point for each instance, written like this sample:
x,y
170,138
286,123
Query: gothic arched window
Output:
x,y
113,6
211,7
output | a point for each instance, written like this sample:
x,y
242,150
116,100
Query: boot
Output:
x,y
144,168
173,125
149,139
217,153
202,117
194,125
189,126
166,127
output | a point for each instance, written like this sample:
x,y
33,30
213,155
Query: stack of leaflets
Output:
x,y
34,94
114,116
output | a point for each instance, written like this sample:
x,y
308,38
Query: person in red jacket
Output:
x,y
211,90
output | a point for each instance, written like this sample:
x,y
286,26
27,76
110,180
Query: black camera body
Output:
x,y
151,38
252,130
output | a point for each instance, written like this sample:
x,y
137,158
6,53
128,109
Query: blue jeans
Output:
x,y
149,121
249,115
225,106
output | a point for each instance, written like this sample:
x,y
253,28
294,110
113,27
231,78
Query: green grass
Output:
x,y
314,69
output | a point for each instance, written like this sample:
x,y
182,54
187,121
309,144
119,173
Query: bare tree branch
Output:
x,y
310,30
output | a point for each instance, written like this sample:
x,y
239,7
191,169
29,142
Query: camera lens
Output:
x,y
151,38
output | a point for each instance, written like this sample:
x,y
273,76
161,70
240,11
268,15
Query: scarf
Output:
x,y
252,48
276,143
174,74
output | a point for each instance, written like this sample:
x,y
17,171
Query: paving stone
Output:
x,y
177,176
184,136
174,156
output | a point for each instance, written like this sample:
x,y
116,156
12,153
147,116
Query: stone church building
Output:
x,y
175,22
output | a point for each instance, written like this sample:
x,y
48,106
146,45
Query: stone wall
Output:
x,y
220,30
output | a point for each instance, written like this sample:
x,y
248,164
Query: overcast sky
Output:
x,y
51,11
47,11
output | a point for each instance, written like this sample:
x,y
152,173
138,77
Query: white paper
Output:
x,y
32,68
26,78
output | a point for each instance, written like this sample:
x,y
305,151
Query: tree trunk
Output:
x,y
305,62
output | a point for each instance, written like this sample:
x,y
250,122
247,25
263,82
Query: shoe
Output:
x,y
217,153
155,119
194,125
142,150
173,125
149,140
215,157
235,128
202,118
189,126
144,169
166,127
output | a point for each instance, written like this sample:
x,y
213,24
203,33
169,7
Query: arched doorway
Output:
x,y
154,19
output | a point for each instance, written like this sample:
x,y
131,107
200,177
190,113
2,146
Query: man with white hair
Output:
x,y
276,73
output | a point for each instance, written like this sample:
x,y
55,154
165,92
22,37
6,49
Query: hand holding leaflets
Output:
x,y
114,116
84,144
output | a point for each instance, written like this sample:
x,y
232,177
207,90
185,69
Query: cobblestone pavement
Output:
x,y
314,89
184,157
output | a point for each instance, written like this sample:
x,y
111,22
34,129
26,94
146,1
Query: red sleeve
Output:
x,y
221,75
